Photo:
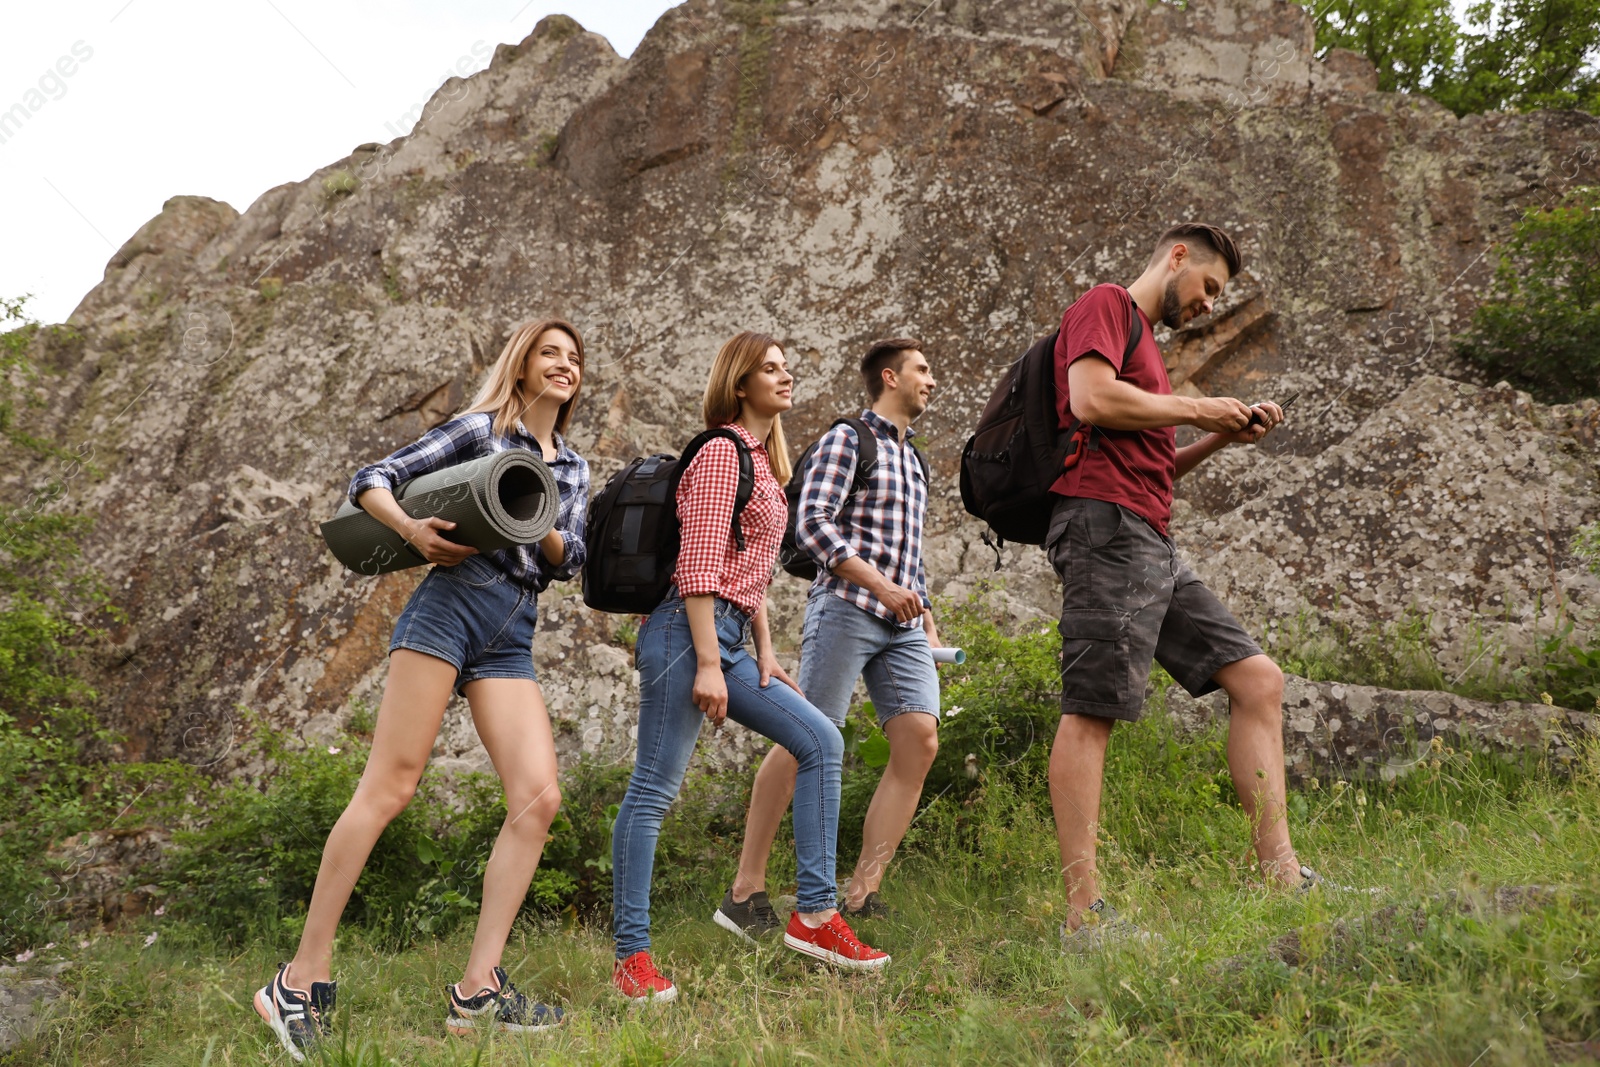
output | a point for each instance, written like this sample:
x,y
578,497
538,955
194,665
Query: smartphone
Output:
x,y
1255,416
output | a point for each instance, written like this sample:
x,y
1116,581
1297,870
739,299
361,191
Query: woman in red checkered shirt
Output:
x,y
694,665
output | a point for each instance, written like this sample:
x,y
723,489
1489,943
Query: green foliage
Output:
x,y
1393,655
1527,54
50,786
1412,43
1001,707
257,846
339,183
1586,546
1565,671
1540,326
1507,55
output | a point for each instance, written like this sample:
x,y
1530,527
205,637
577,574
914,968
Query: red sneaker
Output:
x,y
637,979
833,942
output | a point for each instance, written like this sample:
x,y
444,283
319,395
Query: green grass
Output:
x,y
977,976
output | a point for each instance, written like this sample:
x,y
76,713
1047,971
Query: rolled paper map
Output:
x,y
949,655
509,498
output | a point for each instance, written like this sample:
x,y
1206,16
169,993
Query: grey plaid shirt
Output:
x,y
472,436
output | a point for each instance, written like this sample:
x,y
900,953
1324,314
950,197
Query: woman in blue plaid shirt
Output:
x,y
467,628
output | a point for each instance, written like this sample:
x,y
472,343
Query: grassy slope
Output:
x,y
977,977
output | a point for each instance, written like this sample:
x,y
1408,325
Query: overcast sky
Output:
x,y
124,104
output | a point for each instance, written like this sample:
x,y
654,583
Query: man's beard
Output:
x,y
1171,309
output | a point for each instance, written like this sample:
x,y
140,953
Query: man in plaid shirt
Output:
x,y
867,615
471,436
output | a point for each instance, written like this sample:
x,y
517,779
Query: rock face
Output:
x,y
830,172
1335,730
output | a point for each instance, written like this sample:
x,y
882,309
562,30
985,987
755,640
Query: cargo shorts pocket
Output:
x,y
1094,656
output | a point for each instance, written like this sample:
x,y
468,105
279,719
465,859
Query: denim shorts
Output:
x,y
474,617
1126,598
840,642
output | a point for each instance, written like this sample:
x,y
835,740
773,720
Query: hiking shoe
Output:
x,y
1310,880
297,1017
637,979
506,1009
1102,927
833,942
872,907
750,919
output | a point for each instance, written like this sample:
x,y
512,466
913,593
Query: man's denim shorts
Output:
x,y
473,616
840,642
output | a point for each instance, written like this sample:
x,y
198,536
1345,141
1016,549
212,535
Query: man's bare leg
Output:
x,y
1077,769
769,799
1255,760
913,743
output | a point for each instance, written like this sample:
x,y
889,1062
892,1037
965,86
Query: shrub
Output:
x,y
50,784
1540,327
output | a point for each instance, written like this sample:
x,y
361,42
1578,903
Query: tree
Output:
x,y
1410,42
1510,55
1529,54
1540,328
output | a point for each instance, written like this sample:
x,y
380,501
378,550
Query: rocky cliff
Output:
x,y
830,172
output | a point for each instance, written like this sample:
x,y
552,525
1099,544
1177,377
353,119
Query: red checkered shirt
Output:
x,y
709,562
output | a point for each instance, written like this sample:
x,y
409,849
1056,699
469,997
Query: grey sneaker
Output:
x,y
750,919
1102,927
1310,880
299,1019
872,907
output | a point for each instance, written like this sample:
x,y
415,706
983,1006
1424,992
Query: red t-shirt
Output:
x,y
1133,468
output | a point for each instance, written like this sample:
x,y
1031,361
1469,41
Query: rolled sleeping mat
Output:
x,y
509,498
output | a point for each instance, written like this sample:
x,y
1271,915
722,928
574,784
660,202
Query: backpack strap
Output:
x,y
866,453
747,472
922,461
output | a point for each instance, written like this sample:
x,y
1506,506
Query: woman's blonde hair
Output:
x,y
735,360
501,395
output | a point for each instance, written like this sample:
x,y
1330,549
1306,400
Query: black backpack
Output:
x,y
796,560
1018,450
632,532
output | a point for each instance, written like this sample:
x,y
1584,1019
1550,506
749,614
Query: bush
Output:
x,y
1540,327
51,785
247,865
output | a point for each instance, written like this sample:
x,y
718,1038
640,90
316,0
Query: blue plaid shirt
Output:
x,y
472,436
882,524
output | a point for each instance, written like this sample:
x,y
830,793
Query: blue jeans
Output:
x,y
840,642
669,723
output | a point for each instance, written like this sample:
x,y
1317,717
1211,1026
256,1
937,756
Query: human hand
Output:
x,y
905,604
1220,414
424,535
1264,417
711,693
768,665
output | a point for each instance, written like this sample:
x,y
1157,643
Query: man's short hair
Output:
x,y
1208,238
888,353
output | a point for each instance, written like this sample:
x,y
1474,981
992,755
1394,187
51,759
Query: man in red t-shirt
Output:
x,y
1126,595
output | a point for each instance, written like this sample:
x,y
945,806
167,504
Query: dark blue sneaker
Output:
x,y
300,1019
506,1009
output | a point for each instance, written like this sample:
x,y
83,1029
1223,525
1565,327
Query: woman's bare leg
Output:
x,y
414,699
515,729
